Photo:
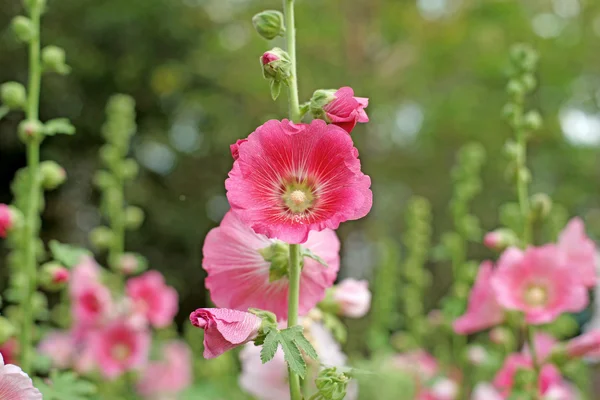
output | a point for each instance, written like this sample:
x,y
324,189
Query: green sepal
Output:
x,y
275,89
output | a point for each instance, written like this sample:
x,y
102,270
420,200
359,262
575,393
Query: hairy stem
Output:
x,y
293,299
294,103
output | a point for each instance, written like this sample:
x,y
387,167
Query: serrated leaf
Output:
x,y
275,89
293,356
66,254
308,253
270,345
65,386
57,126
305,346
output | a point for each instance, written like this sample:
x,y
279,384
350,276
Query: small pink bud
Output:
x,y
6,220
587,344
60,275
492,240
268,57
500,239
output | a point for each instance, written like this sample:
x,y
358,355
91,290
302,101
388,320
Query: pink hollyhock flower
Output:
x,y
6,220
235,148
153,298
483,311
291,179
169,376
119,348
225,329
91,304
485,391
353,297
504,380
587,344
580,252
538,283
16,384
239,276
84,273
345,110
59,347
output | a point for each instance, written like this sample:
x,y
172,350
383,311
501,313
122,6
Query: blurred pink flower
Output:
x,y
153,298
6,220
544,343
345,110
588,344
504,380
239,277
224,329
291,179
580,252
483,311
59,347
485,391
353,297
170,375
235,148
10,351
119,348
84,273
16,384
91,305
419,363
538,283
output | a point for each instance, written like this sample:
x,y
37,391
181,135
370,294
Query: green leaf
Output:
x,y
275,89
305,346
66,254
57,126
308,253
65,386
3,111
270,345
292,355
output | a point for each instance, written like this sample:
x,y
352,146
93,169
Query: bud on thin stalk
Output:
x,y
269,24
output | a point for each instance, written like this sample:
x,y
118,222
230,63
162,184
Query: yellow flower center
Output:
x,y
298,197
536,296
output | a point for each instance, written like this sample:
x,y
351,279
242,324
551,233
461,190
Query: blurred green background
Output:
x,y
434,70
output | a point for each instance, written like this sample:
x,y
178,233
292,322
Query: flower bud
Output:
x,y
54,276
269,24
529,82
7,330
53,59
500,239
13,95
10,218
31,131
515,88
101,237
103,180
320,99
109,154
533,120
53,175
277,254
134,217
541,205
129,169
277,68
23,28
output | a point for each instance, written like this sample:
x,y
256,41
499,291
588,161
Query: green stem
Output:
x,y
31,214
293,300
522,187
294,103
530,334
117,222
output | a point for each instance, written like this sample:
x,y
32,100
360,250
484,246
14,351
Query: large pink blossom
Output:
x,y
239,276
119,348
167,377
353,298
580,252
59,347
345,110
291,179
483,310
6,220
153,298
538,283
225,329
16,384
586,345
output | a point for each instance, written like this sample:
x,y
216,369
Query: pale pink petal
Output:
x,y
59,347
580,252
544,344
352,297
346,110
153,298
170,375
587,344
16,384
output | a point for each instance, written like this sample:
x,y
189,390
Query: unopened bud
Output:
x,y
515,88
10,218
524,57
500,239
13,95
7,330
31,131
269,24
276,64
53,175
130,169
53,59
101,237
541,205
109,154
104,180
23,28
134,217
533,120
54,276
529,82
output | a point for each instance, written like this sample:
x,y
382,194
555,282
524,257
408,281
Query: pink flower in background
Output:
x,y
119,348
225,329
91,304
235,148
345,110
6,220
485,391
153,298
16,384
419,363
353,297
59,347
580,252
586,345
239,276
544,343
483,311
167,377
549,376
291,179
538,283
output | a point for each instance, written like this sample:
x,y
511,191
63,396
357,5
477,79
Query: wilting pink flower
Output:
x,y
353,297
153,298
587,344
580,252
538,283
483,311
291,179
119,348
235,148
16,384
167,377
345,110
239,276
225,329
59,347
6,220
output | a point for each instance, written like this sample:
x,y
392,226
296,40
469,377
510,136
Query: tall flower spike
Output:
x,y
291,179
239,276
